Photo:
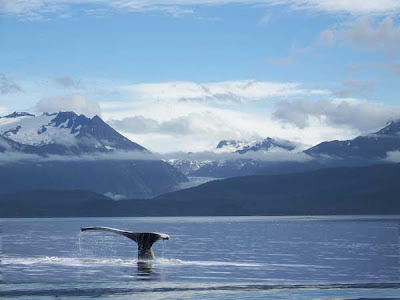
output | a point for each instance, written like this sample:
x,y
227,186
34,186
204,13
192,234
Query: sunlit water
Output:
x,y
220,258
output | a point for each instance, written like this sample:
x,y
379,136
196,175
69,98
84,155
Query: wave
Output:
x,y
68,261
108,291
79,261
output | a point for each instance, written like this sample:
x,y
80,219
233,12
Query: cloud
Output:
x,y
358,114
167,121
8,86
33,10
364,34
202,127
9,157
42,9
258,155
392,67
68,82
3,110
185,126
356,7
76,103
393,156
38,10
221,92
142,125
353,86
212,124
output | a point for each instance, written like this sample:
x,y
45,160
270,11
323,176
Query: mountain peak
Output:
x,y
225,143
63,133
17,114
392,128
372,146
264,145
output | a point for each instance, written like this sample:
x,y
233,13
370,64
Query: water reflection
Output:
x,y
145,268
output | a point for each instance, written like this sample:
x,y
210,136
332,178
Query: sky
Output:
x,y
181,75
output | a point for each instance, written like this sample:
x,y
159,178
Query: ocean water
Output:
x,y
220,257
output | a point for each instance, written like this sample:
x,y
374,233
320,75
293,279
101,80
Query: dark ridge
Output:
x,y
16,114
369,190
101,292
373,146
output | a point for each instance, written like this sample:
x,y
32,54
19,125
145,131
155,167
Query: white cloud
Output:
x,y
357,114
40,9
3,110
76,103
203,126
347,6
185,127
212,125
364,34
142,125
221,92
188,116
7,157
167,121
393,156
259,155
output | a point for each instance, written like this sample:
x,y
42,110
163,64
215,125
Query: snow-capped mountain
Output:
x,y
187,166
372,146
57,142
363,150
61,133
268,144
233,165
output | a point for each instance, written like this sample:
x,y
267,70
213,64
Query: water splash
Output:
x,y
80,242
89,261
163,249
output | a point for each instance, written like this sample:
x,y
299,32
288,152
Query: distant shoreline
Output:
x,y
372,190
237,218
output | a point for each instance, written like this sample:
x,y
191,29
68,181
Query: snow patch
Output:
x,y
115,196
36,131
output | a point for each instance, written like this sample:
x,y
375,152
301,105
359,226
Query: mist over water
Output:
x,y
224,257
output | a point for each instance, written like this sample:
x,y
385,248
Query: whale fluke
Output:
x,y
145,240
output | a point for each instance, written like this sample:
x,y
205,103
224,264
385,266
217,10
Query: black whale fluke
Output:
x,y
144,239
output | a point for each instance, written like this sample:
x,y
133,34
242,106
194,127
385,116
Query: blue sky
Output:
x,y
188,73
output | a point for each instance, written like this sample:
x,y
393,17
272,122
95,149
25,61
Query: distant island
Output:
x,y
370,190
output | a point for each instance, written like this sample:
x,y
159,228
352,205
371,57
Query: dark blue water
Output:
x,y
221,258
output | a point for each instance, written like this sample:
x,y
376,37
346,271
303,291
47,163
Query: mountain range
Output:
x,y
268,144
66,151
63,133
239,161
64,164
363,150
372,146
370,190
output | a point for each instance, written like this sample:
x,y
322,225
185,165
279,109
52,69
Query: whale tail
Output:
x,y
145,240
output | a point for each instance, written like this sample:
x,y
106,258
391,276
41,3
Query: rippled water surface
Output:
x,y
220,258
